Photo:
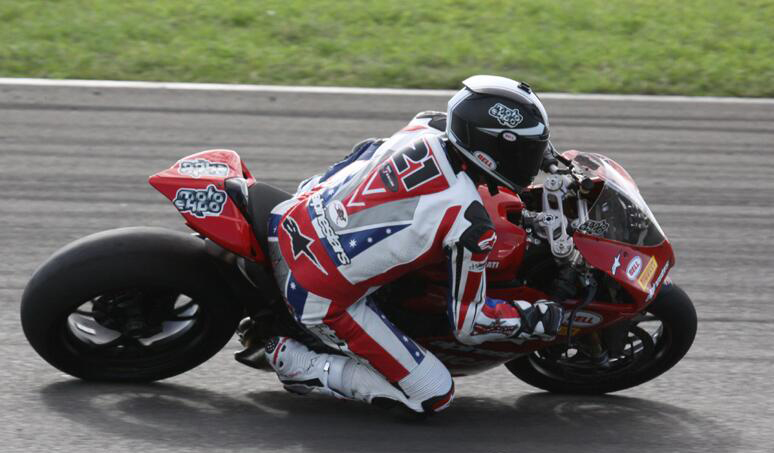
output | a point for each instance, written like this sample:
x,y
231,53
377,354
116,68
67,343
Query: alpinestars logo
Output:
x,y
299,242
326,229
505,116
200,203
487,241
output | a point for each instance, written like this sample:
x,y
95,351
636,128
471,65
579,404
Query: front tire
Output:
x,y
129,305
673,308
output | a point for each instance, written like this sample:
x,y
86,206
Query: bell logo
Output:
x,y
485,159
634,268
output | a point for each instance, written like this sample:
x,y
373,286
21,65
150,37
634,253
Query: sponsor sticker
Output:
x,y
478,266
505,116
583,319
563,330
634,268
616,264
654,287
594,227
197,168
389,178
338,214
493,265
200,203
487,241
647,274
509,136
327,230
485,159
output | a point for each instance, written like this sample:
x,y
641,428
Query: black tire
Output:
x,y
142,260
678,317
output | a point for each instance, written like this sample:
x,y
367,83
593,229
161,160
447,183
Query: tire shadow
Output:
x,y
182,416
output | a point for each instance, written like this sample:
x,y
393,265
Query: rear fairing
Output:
x,y
196,186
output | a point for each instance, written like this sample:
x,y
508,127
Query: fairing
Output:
x,y
196,186
619,212
508,252
622,236
622,239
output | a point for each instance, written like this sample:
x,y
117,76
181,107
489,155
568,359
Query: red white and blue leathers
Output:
x,y
392,206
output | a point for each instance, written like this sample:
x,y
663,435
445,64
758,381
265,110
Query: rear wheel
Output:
x,y
653,343
134,304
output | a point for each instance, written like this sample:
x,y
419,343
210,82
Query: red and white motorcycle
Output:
x,y
141,304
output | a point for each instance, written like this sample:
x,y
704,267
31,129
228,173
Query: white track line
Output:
x,y
354,90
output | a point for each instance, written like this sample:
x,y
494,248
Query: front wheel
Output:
x,y
132,304
655,341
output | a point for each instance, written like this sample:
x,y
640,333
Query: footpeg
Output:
x,y
252,353
253,357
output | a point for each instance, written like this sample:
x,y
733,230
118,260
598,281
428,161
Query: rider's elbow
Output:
x,y
465,337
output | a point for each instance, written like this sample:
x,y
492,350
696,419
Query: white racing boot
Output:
x,y
302,371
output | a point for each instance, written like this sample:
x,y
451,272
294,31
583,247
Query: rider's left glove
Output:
x,y
539,321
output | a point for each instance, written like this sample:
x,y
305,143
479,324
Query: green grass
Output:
x,y
694,47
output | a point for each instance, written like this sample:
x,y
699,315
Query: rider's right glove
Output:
x,y
540,320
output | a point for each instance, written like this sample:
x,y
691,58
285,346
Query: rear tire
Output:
x,y
151,267
678,316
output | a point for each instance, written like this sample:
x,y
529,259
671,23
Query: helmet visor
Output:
x,y
519,161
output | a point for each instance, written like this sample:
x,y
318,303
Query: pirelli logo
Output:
x,y
647,274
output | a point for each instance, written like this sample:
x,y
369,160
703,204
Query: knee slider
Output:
x,y
439,403
429,384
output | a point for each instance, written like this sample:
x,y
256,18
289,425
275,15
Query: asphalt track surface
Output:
x,y
75,161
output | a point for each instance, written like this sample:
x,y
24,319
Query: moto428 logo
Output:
x,y
505,116
200,203
202,167
594,227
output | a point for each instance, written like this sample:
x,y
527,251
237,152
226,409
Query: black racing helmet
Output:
x,y
500,126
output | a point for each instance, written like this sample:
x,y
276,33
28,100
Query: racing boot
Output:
x,y
302,371
540,320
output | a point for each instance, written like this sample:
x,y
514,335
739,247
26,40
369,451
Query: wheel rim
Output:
x,y
647,340
134,327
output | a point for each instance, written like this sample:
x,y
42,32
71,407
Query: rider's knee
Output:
x,y
429,383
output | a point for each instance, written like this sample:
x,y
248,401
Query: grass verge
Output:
x,y
692,47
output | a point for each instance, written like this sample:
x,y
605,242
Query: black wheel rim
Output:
x,y
134,327
648,339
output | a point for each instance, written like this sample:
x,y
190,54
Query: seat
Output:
x,y
262,198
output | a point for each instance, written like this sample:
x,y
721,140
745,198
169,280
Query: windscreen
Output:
x,y
619,212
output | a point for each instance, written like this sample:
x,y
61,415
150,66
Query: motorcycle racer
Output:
x,y
392,206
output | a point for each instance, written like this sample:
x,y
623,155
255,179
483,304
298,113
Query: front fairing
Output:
x,y
619,212
621,236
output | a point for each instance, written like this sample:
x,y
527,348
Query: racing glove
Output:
x,y
540,320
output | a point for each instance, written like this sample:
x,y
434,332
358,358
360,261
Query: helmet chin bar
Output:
x,y
492,178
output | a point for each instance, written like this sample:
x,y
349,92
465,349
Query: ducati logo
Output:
x,y
505,116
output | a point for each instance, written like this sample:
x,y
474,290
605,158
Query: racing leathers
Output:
x,y
392,206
